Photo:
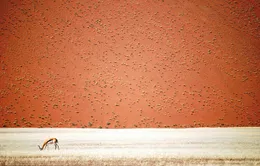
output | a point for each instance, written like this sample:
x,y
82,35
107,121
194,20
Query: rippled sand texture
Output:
x,y
210,146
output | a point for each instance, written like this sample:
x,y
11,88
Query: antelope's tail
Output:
x,y
40,147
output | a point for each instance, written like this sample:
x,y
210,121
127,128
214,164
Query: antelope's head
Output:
x,y
40,147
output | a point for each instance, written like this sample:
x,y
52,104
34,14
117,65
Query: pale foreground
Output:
x,y
198,146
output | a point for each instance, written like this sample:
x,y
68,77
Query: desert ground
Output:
x,y
129,63
193,146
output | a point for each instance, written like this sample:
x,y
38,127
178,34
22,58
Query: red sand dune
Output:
x,y
129,63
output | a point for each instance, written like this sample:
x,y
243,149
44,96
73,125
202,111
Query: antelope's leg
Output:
x,y
57,146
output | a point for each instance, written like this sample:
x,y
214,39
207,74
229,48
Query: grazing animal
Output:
x,y
50,141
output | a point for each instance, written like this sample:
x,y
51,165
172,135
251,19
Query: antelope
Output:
x,y
50,141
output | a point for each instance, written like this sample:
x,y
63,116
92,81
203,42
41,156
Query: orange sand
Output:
x,y
129,63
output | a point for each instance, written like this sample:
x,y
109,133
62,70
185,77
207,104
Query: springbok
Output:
x,y
50,141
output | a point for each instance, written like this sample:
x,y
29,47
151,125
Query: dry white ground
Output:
x,y
198,146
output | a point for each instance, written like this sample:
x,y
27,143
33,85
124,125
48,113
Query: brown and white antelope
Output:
x,y
50,141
